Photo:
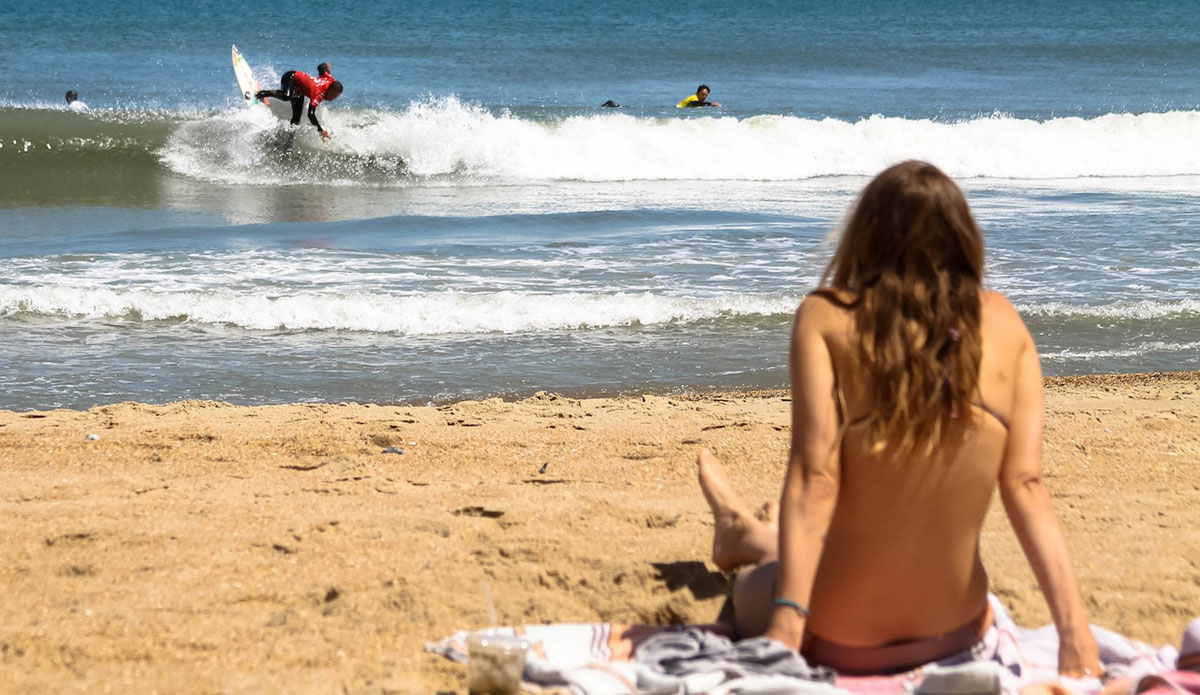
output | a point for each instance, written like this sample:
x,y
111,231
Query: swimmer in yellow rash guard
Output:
x,y
700,98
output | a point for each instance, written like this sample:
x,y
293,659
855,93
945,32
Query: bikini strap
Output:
x,y
828,294
993,412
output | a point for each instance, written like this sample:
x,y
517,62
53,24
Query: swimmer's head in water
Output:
x,y
72,95
323,69
334,91
702,92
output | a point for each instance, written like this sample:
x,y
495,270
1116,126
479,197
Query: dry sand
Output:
x,y
206,548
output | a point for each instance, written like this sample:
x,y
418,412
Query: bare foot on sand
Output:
x,y
769,514
739,538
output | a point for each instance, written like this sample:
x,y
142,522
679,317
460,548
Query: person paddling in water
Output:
x,y
73,101
700,98
295,86
916,392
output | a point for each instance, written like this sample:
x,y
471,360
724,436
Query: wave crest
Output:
x,y
439,313
447,139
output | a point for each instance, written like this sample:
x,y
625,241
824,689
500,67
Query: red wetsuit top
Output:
x,y
312,87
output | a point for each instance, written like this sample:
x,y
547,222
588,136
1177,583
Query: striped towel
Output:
x,y
600,659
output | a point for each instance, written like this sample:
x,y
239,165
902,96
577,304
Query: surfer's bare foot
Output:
x,y
738,537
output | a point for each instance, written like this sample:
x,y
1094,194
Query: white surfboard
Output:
x,y
245,78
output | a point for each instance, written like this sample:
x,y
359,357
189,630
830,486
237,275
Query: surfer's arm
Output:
x,y
312,118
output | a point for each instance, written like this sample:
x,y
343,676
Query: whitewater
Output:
x,y
480,226
446,140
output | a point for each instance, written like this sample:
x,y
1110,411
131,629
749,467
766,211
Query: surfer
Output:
x,y
700,98
73,101
295,86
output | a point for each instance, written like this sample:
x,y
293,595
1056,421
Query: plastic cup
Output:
x,y
495,663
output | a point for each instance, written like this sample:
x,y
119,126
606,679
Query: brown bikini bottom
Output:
x,y
895,657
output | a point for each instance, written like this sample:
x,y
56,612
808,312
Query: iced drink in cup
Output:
x,y
495,663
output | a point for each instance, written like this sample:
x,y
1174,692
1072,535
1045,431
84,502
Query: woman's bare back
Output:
x,y
901,558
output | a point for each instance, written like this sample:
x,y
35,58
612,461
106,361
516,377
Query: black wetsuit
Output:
x,y
287,90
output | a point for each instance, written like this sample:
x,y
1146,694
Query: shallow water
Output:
x,y
478,226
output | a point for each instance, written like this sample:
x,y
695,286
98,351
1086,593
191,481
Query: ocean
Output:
x,y
480,226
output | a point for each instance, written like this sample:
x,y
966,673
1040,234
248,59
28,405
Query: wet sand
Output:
x,y
200,547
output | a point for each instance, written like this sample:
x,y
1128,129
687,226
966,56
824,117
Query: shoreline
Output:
x,y
205,547
684,393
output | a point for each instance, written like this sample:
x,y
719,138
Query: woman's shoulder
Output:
x,y
996,301
828,306
826,314
831,297
825,306
996,309
1003,330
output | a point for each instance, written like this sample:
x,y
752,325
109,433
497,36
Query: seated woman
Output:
x,y
914,393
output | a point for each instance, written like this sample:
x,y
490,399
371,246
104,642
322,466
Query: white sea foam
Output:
x,y
419,314
446,138
450,312
1145,310
1139,350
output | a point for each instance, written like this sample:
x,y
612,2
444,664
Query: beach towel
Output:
x,y
1168,683
615,659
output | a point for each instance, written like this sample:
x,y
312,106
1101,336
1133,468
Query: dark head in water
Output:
x,y
323,69
72,95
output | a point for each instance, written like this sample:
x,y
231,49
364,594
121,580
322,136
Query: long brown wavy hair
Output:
x,y
913,256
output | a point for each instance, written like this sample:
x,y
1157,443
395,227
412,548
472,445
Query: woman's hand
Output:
x,y
1078,655
788,629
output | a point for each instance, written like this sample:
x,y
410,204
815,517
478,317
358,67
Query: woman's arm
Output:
x,y
1031,513
811,487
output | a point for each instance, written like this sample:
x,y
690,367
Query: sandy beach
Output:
x,y
199,547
